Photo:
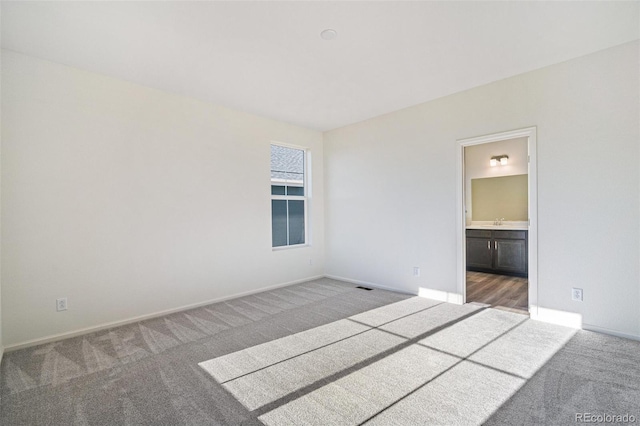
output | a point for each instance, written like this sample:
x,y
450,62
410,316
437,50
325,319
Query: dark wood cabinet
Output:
x,y
497,251
479,253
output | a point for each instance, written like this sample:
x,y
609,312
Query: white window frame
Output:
x,y
305,198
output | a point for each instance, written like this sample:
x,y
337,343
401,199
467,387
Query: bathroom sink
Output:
x,y
508,227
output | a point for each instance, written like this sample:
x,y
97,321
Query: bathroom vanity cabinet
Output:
x,y
498,251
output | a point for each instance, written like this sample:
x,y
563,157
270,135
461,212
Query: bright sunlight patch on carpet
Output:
x,y
414,361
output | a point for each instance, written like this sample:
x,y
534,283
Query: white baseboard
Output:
x,y
440,295
553,316
616,333
573,320
87,330
567,319
368,284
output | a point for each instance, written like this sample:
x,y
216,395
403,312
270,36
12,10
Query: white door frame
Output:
x,y
530,133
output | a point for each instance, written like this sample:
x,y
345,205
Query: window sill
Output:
x,y
290,247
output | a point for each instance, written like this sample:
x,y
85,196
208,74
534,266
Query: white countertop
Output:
x,y
506,226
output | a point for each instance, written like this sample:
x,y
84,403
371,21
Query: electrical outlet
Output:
x,y
61,304
416,271
576,294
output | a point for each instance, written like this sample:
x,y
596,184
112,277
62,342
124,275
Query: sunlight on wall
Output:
x,y
553,316
440,295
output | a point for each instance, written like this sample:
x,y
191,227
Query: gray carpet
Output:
x,y
324,352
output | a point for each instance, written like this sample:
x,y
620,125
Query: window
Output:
x,y
288,196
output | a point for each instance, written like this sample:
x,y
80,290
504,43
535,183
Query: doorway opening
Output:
x,y
497,229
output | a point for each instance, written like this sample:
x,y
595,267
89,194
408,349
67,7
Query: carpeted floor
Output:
x,y
324,352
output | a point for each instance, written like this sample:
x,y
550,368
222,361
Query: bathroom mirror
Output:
x,y
500,197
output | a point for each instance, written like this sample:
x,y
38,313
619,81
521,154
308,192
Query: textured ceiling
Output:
x,y
267,58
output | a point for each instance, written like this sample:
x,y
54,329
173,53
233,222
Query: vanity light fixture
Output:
x,y
502,159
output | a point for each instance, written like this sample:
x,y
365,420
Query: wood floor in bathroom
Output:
x,y
499,291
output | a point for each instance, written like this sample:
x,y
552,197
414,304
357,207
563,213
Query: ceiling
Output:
x,y
267,57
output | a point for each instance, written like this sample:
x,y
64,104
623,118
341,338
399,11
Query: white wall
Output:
x,y
476,164
1,342
130,201
391,186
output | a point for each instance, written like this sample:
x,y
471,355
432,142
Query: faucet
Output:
x,y
498,222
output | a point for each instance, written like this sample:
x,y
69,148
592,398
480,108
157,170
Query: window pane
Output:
x,y
287,163
296,222
278,223
295,190
277,190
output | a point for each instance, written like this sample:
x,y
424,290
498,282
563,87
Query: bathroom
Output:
x,y
497,224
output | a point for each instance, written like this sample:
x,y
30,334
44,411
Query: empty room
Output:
x,y
319,212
